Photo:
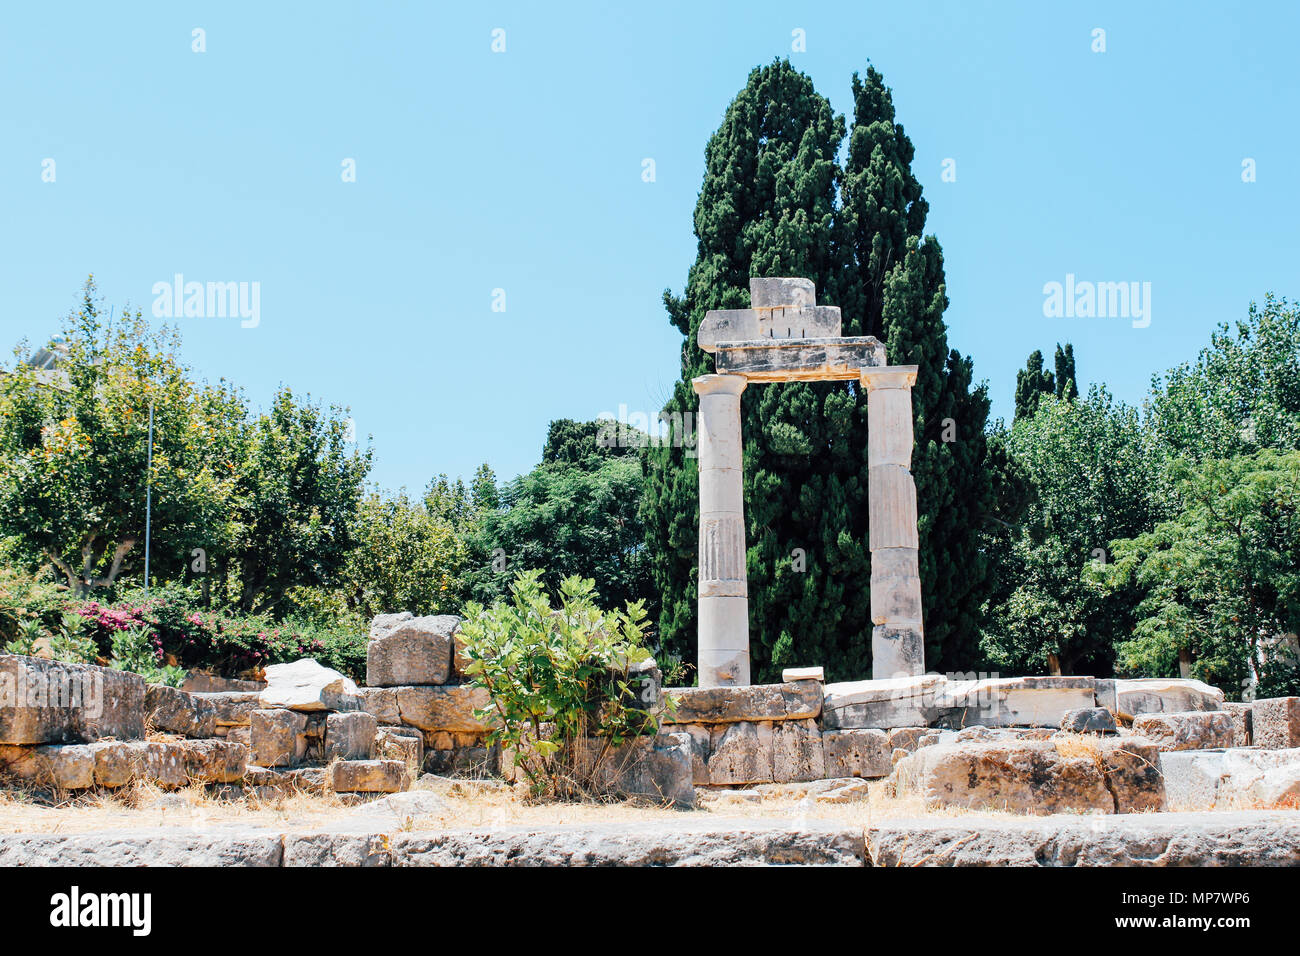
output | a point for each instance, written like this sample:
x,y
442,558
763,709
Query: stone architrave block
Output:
x,y
882,704
412,652
1014,701
796,700
1275,723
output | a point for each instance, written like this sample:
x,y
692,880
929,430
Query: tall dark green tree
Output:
x,y
768,207
1033,381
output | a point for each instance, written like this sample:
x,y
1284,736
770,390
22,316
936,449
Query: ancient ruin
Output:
x,y
786,337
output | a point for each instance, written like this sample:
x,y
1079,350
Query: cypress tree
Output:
x,y
1032,382
768,207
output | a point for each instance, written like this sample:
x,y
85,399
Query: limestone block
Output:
x,y
802,673
845,791
160,763
1241,722
699,740
368,776
279,737
115,763
1275,723
884,704
1154,695
797,753
231,708
858,753
1199,730
350,736
56,766
405,744
448,708
214,761
783,292
1106,694
892,508
380,702
414,651
796,700
306,685
1191,778
907,738
1014,701
1088,720
238,735
382,624
817,358
177,712
1039,777
655,768
741,753
1263,779
204,682
44,701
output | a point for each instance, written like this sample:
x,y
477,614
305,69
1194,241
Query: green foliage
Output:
x,y
1095,475
557,677
1220,580
1033,382
577,514
136,650
768,207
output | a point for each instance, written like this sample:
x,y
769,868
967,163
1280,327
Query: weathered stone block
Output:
x,y
858,753
160,763
1241,722
741,753
448,708
797,753
405,744
307,685
56,766
414,651
1275,723
1154,695
791,674
279,737
883,704
381,702
698,740
797,700
1199,730
368,776
1014,701
1191,778
230,708
350,736
1088,720
43,701
654,768
174,711
1263,779
214,761
115,763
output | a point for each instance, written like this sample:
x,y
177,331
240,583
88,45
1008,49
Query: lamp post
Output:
x,y
148,497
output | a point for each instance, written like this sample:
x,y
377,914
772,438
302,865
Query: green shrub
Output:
x,y
136,650
556,679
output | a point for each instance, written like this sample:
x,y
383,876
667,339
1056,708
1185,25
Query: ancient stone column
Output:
x,y
723,658
898,638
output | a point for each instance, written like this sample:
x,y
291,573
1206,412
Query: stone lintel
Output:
x,y
800,359
889,376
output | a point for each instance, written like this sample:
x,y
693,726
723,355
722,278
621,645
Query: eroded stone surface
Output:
x,y
1088,720
410,651
307,685
279,737
350,736
1200,730
797,700
1156,695
448,708
48,702
859,753
1275,723
1014,701
882,704
368,776
175,711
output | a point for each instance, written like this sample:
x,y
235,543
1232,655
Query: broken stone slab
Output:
x,y
682,842
212,846
1197,730
307,685
49,702
53,766
1088,720
1154,695
230,708
175,711
1275,723
1139,839
381,702
203,682
412,651
350,736
214,761
1101,775
368,776
791,674
859,753
400,743
279,737
882,704
447,708
1014,701
1264,779
796,700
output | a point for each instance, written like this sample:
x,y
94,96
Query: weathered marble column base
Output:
x,y
719,663
897,650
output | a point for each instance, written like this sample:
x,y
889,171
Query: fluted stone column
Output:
x,y
724,595
898,638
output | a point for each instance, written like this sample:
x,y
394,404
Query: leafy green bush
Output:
x,y
136,650
557,678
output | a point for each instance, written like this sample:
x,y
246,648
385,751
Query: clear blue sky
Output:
x,y
522,171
